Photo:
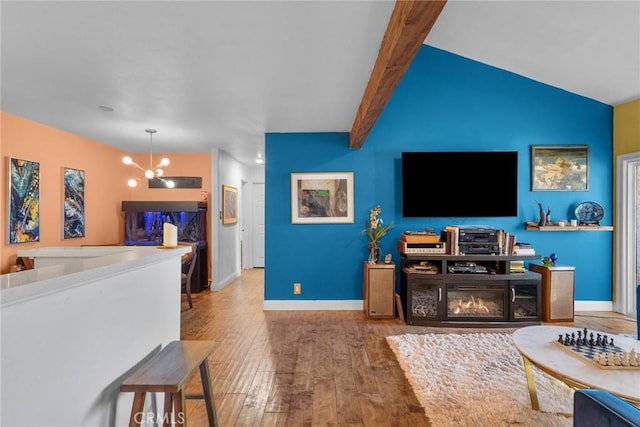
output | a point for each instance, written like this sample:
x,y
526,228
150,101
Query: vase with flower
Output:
x,y
375,231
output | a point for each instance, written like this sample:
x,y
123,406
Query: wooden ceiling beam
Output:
x,y
408,27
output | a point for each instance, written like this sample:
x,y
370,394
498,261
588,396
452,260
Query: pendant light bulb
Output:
x,y
153,172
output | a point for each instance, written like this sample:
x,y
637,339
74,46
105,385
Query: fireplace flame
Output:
x,y
470,306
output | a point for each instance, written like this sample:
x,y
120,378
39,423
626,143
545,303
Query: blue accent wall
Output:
x,y
444,103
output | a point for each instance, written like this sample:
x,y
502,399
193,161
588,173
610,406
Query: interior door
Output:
x,y
258,229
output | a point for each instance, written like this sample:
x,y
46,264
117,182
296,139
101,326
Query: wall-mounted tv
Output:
x,y
460,184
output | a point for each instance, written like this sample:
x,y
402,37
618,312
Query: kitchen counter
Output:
x,y
73,329
59,268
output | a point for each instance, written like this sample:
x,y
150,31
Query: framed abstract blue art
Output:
x,y
74,216
24,201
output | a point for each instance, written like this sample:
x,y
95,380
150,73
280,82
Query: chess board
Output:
x,y
592,354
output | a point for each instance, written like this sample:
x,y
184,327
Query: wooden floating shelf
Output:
x,y
533,226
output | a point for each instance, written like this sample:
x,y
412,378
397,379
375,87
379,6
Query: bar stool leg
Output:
x,y
168,409
180,409
136,409
188,290
208,396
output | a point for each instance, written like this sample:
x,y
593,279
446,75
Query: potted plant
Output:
x,y
375,231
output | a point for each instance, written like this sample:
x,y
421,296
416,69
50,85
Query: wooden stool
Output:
x,y
167,372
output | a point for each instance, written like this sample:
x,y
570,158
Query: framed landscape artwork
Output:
x,y
560,168
322,198
229,205
73,206
23,216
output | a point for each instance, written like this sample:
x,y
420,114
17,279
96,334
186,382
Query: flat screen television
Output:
x,y
460,184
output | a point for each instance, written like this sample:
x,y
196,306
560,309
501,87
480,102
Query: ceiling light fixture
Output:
x,y
153,171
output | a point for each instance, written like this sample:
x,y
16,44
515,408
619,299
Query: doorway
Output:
x,y
627,233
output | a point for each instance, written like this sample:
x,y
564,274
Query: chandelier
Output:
x,y
154,172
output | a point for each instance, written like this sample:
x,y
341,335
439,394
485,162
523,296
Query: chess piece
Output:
x,y
603,360
618,360
625,358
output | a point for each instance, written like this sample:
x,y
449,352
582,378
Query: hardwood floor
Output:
x,y
310,368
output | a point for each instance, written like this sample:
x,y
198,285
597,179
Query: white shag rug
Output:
x,y
477,379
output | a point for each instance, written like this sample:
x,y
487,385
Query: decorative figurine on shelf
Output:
x,y
548,215
545,218
387,258
553,257
375,231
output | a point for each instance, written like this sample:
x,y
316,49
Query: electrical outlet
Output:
x,y
297,288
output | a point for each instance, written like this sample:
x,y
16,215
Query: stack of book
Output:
x,y
506,242
453,239
516,267
523,248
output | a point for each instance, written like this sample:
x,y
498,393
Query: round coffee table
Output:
x,y
538,347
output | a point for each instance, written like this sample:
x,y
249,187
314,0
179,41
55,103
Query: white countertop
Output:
x,y
83,265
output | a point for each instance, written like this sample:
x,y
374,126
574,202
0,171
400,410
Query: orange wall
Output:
x,y
105,183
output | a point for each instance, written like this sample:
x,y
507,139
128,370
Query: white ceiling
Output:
x,y
591,48
220,74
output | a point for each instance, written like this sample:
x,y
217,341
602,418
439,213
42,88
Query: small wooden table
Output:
x,y
538,347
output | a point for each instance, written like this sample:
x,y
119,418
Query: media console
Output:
x,y
469,290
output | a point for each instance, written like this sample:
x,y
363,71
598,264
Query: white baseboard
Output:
x,y
593,305
224,282
286,305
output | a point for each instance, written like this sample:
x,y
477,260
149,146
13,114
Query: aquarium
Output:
x,y
144,221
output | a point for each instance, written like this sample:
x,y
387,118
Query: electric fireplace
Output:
x,y
436,296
